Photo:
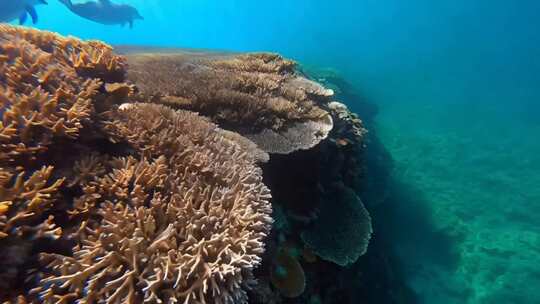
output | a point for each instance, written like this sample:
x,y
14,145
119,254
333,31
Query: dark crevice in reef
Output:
x,y
379,275
301,183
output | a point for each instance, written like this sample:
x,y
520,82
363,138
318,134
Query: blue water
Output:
x,y
457,84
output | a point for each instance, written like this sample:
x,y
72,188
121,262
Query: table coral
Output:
x,y
257,95
112,190
342,232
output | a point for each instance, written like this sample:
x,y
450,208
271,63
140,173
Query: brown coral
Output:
x,y
348,128
47,84
48,87
257,95
184,223
25,199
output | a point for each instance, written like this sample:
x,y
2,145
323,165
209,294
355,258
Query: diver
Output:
x,y
104,12
13,9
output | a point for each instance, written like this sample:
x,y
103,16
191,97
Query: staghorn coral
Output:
x,y
48,87
24,202
20,299
184,223
153,205
47,84
342,232
25,199
257,95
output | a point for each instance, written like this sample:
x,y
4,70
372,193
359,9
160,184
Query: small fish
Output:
x,y
13,9
104,12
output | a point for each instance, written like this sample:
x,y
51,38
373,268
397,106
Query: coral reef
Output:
x,y
118,202
257,95
47,84
146,178
342,231
183,227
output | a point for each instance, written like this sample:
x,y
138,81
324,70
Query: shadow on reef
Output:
x,y
410,224
303,186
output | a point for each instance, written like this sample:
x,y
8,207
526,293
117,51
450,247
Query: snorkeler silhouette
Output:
x,y
104,12
13,9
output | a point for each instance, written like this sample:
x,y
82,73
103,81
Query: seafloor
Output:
x,y
467,196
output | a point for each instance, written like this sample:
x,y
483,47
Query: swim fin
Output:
x,y
22,18
32,12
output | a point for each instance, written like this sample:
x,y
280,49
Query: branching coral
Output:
x,y
25,199
47,84
148,202
185,223
257,95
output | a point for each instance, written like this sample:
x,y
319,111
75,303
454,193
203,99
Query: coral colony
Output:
x,y
168,176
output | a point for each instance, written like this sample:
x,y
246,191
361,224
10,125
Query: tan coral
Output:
x,y
246,144
183,224
47,84
23,199
49,88
86,169
257,95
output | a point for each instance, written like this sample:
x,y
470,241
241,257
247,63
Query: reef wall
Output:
x,y
163,176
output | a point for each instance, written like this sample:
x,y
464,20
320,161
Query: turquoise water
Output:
x,y
457,84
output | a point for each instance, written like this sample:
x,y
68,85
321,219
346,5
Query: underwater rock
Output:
x,y
342,232
257,95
